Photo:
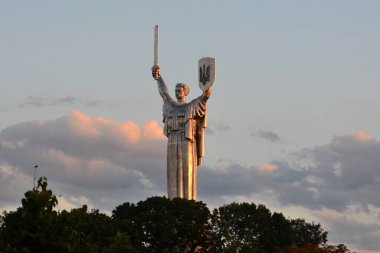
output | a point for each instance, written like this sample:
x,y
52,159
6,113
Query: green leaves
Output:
x,y
249,228
156,224
162,225
30,227
308,233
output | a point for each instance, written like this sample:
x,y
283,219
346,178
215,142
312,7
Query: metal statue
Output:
x,y
184,125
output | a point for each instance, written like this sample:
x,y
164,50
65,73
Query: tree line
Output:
x,y
156,224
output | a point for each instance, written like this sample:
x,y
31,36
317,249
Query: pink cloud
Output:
x,y
153,131
83,124
99,127
329,215
82,149
363,136
267,167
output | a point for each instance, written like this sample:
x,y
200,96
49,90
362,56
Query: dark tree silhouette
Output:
x,y
156,224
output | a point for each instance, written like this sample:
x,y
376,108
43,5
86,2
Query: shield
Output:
x,y
206,72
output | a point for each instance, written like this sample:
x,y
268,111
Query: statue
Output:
x,y
184,125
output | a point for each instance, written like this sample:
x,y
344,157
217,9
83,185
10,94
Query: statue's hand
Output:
x,y
156,72
207,92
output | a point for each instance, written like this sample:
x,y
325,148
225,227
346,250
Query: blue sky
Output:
x,y
293,113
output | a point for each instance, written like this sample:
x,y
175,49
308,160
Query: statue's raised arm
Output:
x,y
206,95
162,88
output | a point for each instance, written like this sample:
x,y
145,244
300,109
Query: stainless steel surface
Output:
x,y
156,46
184,125
206,72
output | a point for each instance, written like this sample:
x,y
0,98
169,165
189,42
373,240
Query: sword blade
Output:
x,y
156,44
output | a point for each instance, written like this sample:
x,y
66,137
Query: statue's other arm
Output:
x,y
200,103
162,88
201,117
206,95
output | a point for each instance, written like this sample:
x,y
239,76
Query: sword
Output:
x,y
156,43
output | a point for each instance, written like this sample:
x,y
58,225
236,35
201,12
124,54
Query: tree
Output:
x,y
248,228
84,231
307,233
315,248
282,234
120,243
159,224
30,227
36,227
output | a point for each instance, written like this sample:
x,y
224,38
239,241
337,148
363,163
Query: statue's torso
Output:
x,y
175,118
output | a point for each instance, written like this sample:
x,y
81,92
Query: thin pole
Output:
x,y
34,177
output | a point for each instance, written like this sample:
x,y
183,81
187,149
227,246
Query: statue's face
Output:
x,y
179,92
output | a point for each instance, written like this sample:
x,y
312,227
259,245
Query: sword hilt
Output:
x,y
156,72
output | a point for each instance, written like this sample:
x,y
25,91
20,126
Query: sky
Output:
x,y
292,114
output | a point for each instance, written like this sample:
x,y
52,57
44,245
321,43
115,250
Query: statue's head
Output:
x,y
181,90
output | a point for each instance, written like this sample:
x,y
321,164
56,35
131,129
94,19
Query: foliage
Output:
x,y
308,233
29,228
36,227
156,224
315,248
120,243
84,231
162,225
249,228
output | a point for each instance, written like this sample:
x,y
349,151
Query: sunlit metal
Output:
x,y
184,125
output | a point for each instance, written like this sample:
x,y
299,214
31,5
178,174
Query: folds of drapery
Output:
x,y
195,122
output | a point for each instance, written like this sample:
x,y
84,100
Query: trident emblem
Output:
x,y
204,74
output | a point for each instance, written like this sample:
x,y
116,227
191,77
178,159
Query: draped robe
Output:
x,y
184,125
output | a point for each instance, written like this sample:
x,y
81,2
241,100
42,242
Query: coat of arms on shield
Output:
x,y
206,72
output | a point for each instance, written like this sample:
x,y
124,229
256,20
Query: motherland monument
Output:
x,y
184,126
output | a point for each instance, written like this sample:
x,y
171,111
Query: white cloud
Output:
x,y
103,163
79,151
68,203
334,177
361,234
13,184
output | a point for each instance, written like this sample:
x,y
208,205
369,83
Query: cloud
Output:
x,y
362,235
88,156
70,202
32,101
342,177
97,153
10,183
214,127
267,135
267,167
363,136
103,163
335,175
